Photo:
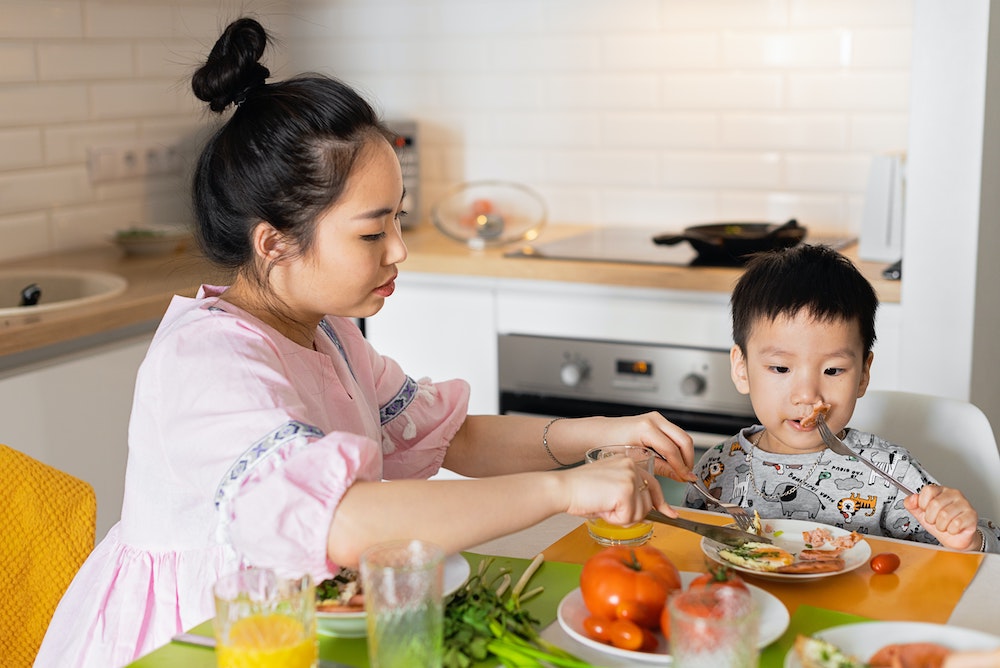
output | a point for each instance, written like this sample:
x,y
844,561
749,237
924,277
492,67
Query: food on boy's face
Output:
x,y
819,408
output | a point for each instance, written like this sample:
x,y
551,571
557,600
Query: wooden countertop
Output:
x,y
152,281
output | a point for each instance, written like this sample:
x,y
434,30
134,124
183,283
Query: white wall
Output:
x,y
950,305
79,73
659,113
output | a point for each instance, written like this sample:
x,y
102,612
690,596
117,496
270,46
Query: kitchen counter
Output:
x,y
152,281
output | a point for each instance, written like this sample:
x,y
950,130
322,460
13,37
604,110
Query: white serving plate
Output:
x,y
354,624
787,534
572,611
864,639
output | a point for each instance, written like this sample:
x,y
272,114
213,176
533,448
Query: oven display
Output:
x,y
635,368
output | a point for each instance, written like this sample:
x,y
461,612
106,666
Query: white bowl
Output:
x,y
151,240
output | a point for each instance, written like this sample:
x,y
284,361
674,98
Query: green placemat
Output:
x,y
557,578
806,620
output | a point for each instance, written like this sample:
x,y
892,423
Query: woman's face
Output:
x,y
793,363
350,268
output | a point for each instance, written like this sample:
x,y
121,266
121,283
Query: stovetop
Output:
x,y
633,245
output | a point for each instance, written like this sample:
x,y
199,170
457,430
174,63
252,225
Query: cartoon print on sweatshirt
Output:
x,y
853,504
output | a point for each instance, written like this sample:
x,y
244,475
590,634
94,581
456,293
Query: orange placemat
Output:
x,y
926,588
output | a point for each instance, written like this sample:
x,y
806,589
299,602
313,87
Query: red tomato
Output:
x,y
649,641
630,583
665,623
626,635
884,563
597,628
719,576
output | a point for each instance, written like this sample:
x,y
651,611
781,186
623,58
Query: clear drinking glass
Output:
x,y
612,534
265,621
713,627
403,583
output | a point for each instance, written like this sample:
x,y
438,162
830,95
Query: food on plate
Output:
x,y
758,556
630,583
884,563
910,655
815,566
819,408
341,593
822,537
818,653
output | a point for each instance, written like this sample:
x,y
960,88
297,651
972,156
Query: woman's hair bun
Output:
x,y
232,66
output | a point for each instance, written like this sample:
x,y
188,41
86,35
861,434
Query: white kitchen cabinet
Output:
x,y
442,327
71,412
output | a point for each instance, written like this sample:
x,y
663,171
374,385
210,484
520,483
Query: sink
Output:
x,y
60,289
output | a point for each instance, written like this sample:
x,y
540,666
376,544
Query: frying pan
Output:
x,y
729,242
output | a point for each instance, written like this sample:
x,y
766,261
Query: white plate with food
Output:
x,y
352,623
861,641
572,611
799,559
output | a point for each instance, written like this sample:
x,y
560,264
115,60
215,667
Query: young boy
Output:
x,y
803,327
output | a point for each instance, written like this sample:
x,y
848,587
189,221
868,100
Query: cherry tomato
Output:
x,y
629,582
649,641
597,628
884,563
665,623
626,634
719,576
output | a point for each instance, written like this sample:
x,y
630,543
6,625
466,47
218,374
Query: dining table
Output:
x,y
932,584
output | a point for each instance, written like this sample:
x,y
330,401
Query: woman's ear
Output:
x,y
738,370
268,243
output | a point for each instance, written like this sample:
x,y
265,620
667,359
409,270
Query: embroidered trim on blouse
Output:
x,y
395,406
242,467
328,330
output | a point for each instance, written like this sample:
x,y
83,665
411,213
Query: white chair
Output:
x,y
951,438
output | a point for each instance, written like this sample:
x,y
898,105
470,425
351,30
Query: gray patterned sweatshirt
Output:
x,y
823,487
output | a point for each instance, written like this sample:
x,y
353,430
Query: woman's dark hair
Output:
x,y
815,279
283,157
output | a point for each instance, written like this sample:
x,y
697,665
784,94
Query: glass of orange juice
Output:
x,y
265,621
612,534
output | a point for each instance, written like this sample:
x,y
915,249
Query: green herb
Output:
x,y
483,620
778,533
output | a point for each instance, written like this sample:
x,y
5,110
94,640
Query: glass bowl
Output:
x,y
490,213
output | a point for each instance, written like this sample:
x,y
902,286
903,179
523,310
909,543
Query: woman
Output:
x,y
263,423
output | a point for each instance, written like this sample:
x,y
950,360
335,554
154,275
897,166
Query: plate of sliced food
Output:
x,y
800,550
340,602
887,644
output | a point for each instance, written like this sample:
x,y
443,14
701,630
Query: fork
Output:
x,y
841,448
738,513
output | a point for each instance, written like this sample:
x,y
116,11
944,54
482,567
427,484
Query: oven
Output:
x,y
569,377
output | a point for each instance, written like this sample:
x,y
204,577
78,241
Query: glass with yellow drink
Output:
x,y
611,534
265,621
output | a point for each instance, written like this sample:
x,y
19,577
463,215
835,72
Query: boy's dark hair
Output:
x,y
816,279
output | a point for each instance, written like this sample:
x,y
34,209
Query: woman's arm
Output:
x,y
489,445
458,514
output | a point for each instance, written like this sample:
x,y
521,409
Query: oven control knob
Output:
x,y
693,385
573,372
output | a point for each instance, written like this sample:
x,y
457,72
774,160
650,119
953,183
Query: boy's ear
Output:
x,y
738,370
866,375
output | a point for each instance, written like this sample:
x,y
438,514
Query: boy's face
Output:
x,y
793,362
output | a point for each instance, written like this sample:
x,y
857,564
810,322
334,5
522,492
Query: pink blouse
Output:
x,y
241,445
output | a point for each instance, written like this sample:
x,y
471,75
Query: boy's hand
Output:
x,y
947,515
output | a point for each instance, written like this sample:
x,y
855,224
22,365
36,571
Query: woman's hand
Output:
x,y
614,490
947,515
674,446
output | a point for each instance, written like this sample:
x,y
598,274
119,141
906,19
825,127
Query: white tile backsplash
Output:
x,y
652,112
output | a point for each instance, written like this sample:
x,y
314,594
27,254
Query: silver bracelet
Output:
x,y
982,534
545,441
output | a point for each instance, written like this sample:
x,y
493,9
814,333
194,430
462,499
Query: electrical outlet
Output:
x,y
116,162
